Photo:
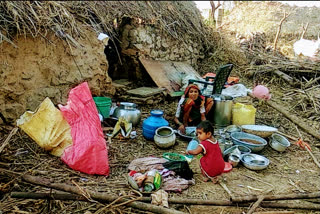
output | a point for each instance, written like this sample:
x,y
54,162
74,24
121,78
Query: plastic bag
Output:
x,y
122,126
88,152
237,90
181,168
261,92
47,128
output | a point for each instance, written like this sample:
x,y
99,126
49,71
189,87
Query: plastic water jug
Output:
x,y
153,122
243,114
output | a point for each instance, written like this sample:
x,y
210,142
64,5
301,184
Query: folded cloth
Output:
x,y
146,164
176,184
160,198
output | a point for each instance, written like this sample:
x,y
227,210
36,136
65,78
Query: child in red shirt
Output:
x,y
212,163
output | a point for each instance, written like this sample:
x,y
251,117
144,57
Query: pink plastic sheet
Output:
x,y
88,152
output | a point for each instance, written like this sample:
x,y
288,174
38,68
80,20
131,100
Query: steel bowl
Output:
x,y
259,130
232,128
242,149
278,142
190,133
253,142
254,161
234,160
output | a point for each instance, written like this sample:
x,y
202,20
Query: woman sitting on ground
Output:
x,y
192,108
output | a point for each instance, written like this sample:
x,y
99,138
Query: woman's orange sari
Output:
x,y
191,108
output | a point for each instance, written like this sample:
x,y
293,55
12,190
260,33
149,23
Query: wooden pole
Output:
x,y
64,196
313,157
251,198
292,118
304,29
224,186
288,136
285,15
68,196
256,204
275,212
309,151
5,143
48,196
292,81
289,205
219,18
97,195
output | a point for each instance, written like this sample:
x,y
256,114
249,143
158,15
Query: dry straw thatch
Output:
x,y
69,18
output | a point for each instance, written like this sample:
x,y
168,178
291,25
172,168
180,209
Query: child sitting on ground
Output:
x,y
212,163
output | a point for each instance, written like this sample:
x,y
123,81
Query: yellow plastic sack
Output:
x,y
47,128
243,114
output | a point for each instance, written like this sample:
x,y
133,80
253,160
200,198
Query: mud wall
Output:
x,y
157,45
47,67
151,42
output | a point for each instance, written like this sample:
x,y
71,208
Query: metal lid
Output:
x,y
219,97
157,112
127,105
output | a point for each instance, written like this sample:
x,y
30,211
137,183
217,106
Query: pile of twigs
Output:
x,y
263,59
255,41
299,78
298,68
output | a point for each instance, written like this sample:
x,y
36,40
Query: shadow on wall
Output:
x,y
110,51
123,60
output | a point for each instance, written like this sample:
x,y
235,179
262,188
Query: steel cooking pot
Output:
x,y
129,111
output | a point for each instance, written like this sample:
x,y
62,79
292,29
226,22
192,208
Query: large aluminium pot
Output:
x,y
222,110
129,111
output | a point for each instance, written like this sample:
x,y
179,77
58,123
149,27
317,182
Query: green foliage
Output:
x,y
210,22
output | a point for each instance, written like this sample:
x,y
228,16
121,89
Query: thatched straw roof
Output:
x,y
69,18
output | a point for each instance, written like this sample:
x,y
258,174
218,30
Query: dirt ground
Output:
x,y
292,171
